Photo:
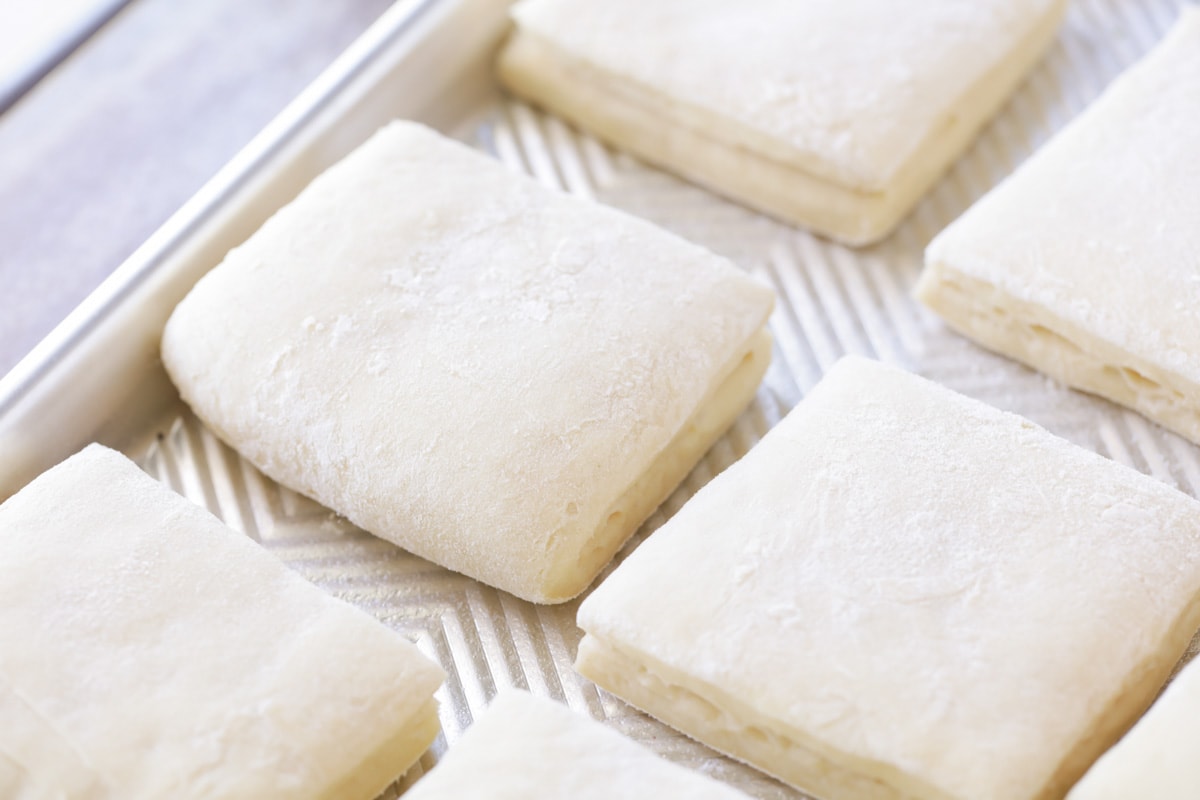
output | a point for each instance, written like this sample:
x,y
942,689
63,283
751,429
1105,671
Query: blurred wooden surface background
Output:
x,y
115,138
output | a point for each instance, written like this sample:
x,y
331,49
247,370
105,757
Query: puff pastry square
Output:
x,y
1158,758
501,378
149,652
530,747
1084,264
902,592
837,115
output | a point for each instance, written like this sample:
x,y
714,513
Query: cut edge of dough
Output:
x,y
1151,754
632,118
731,727
712,417
1031,334
390,760
726,724
535,71
1137,694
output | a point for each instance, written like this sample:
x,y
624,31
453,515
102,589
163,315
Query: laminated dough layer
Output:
x,y
837,115
904,593
1158,758
162,654
530,747
495,376
1084,264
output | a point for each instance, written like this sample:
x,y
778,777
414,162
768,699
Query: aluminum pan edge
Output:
x,y
97,375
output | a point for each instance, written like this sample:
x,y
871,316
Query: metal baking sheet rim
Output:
x,y
96,377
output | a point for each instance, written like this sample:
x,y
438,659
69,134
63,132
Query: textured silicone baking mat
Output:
x,y
832,301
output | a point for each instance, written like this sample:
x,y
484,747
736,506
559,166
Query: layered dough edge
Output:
x,y
729,725
640,120
393,758
1035,336
733,728
733,391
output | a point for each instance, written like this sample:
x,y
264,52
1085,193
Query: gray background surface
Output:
x,y
105,148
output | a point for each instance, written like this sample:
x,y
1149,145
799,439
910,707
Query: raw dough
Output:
x,y
1085,264
498,377
527,747
902,592
1160,757
837,115
147,651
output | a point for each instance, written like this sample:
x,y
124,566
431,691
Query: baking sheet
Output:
x,y
832,301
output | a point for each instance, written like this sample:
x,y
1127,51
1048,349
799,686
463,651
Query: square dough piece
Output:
x,y
902,592
501,378
837,115
1160,757
148,651
527,747
1085,263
